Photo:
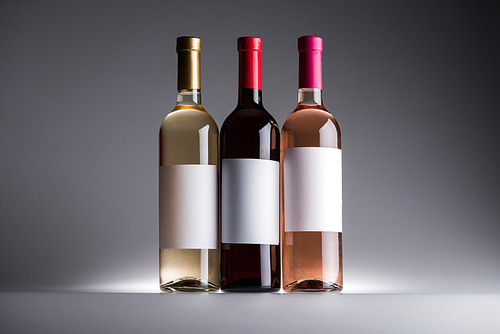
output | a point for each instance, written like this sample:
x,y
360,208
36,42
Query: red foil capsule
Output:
x,y
249,49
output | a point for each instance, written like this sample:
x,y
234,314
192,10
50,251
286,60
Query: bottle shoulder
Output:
x,y
248,118
309,118
250,133
188,136
310,127
188,118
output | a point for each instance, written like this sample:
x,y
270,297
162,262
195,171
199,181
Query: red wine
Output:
x,y
250,153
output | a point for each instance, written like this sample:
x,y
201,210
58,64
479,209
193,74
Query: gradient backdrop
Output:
x,y
415,86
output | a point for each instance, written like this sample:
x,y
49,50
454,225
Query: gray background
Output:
x,y
85,85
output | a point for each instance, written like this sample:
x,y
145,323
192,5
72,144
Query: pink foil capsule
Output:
x,y
310,66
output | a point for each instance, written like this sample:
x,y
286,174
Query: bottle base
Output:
x,y
312,285
250,289
188,284
249,284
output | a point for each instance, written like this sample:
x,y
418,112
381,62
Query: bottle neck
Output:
x,y
188,78
310,96
249,74
310,78
250,79
310,69
188,70
249,97
189,97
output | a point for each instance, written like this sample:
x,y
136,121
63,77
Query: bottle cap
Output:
x,y
188,63
310,43
249,44
310,48
188,43
249,62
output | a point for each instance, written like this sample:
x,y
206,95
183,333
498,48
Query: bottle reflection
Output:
x,y
328,135
265,142
203,134
265,264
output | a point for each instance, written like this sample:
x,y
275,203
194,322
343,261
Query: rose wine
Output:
x,y
188,184
250,141
311,184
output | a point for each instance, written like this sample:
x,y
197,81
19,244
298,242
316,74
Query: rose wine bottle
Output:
x,y
188,184
311,184
250,141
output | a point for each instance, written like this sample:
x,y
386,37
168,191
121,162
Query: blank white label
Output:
x,y
312,184
250,201
188,206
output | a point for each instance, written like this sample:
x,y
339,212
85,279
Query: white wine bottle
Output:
x,y
188,184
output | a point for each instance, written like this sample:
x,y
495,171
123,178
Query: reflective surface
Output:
x,y
62,313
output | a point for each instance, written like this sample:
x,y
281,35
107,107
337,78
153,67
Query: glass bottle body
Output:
x,y
312,260
189,137
250,132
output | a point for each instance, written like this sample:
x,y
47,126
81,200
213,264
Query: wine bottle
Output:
x,y
311,184
188,184
250,141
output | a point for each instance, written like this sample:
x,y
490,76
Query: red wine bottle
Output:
x,y
250,153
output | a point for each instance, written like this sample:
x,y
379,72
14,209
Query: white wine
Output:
x,y
189,269
188,184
